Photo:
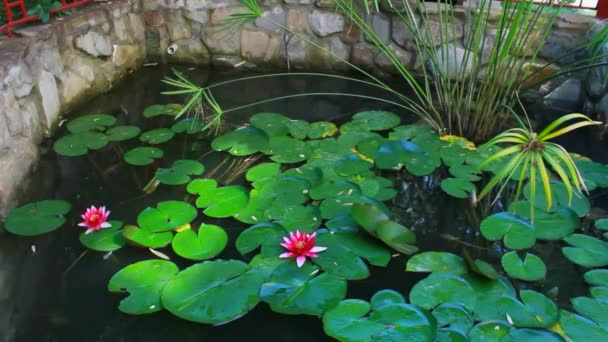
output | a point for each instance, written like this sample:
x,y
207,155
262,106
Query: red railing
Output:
x,y
17,9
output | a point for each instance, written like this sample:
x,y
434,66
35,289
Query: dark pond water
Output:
x,y
67,296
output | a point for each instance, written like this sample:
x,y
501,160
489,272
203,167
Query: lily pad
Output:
x,y
79,144
104,240
286,150
157,136
262,173
587,251
210,241
443,288
531,335
297,290
143,155
298,129
596,310
145,238
602,224
535,310
376,120
321,129
170,109
597,277
554,225
271,123
241,142
166,216
180,172
144,281
122,133
92,122
213,292
188,126
297,217
37,218
516,232
454,316
397,236
224,201
532,268
489,331
579,203
457,187
437,262
337,260
267,235
579,328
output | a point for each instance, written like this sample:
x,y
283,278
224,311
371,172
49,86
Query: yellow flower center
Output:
x,y
300,244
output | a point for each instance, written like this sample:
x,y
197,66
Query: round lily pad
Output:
x,y
298,129
166,216
457,187
180,172
213,292
79,144
267,235
596,310
142,237
122,133
286,150
553,225
241,142
144,281
170,109
376,120
104,240
224,202
210,241
489,331
516,232
338,260
157,136
579,328
271,123
92,122
443,288
587,251
188,126
321,129
143,155
535,310
454,316
437,262
532,268
37,218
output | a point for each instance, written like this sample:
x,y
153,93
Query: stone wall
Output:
x,y
48,69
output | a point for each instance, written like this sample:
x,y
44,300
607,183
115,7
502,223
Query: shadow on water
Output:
x,y
66,288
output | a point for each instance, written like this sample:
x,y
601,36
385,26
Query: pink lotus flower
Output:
x,y
95,219
301,246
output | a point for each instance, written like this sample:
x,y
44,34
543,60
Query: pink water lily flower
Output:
x,y
300,246
95,219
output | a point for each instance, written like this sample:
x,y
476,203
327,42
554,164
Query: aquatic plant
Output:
x,y
300,246
95,219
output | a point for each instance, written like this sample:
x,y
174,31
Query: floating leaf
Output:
x,y
531,335
337,260
443,288
157,136
271,123
465,172
554,225
297,290
188,126
597,277
104,240
489,331
532,268
457,187
224,202
37,218
437,262
213,292
241,142
488,291
79,144
92,122
210,241
397,236
579,328
298,217
267,235
601,224
334,188
376,120
454,316
262,173
587,251
321,129
378,188
143,155
162,109
559,194
166,216
596,310
122,133
286,150
298,129
145,238
536,311
516,232
180,172
144,281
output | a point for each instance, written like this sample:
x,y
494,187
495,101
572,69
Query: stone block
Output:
x,y
298,2
16,161
200,16
381,24
454,61
325,23
121,29
566,98
49,95
20,79
95,44
178,27
296,20
138,27
191,51
127,56
72,89
404,57
223,42
208,4
261,46
363,55
267,21
155,18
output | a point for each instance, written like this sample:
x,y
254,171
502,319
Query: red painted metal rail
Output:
x,y
17,9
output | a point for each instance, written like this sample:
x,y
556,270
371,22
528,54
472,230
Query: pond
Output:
x,y
68,299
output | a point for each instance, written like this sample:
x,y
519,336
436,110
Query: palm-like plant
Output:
x,y
532,155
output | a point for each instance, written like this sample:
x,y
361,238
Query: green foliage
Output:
x,y
37,218
42,9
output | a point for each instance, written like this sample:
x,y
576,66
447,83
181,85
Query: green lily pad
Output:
x,y
188,126
210,241
321,129
587,251
596,310
297,217
532,268
334,188
104,240
465,172
579,328
144,281
267,235
489,331
298,129
482,268
142,155
579,204
443,288
180,172
488,291
516,232
122,133
145,238
170,109
554,225
213,292
454,316
597,277
271,123
352,165
368,216
262,173
286,150
602,224
457,187
157,136
378,188
338,260
92,122
79,144
166,216
241,142
297,290
255,210
437,262
224,201
397,236
536,310
37,218
358,243
531,335
376,120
